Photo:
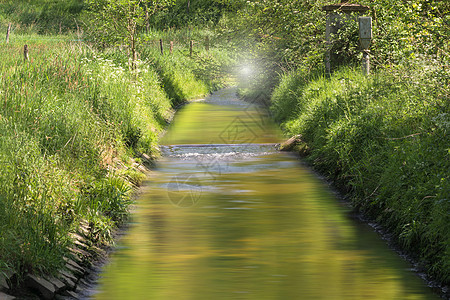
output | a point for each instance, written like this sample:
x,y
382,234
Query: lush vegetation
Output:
x,y
42,16
383,141
383,138
55,148
294,38
74,120
74,115
203,13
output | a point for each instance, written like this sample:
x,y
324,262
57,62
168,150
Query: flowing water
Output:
x,y
226,216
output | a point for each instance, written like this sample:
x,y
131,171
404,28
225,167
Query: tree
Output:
x,y
197,13
115,22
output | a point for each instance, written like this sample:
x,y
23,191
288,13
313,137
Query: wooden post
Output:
x,y
8,31
366,62
328,44
365,37
161,46
191,46
25,52
207,43
171,47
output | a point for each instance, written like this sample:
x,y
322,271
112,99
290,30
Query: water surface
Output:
x,y
243,221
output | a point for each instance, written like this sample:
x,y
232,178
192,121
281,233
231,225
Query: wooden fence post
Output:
x,y
191,46
161,46
207,43
365,38
366,62
8,31
25,52
171,47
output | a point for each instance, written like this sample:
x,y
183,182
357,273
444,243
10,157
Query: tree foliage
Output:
x,y
290,34
112,22
43,16
195,13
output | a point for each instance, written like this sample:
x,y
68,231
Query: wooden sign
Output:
x,y
365,31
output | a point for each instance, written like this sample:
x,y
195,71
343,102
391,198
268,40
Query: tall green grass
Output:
x,y
136,104
179,82
186,76
384,139
69,120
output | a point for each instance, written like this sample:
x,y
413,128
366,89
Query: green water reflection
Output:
x,y
222,119
248,223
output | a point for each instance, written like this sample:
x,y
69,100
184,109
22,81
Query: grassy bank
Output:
x,y
384,139
187,76
68,119
72,120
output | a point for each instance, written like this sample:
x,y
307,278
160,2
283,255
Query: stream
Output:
x,y
226,216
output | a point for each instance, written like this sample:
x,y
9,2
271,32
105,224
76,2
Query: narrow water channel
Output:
x,y
226,216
